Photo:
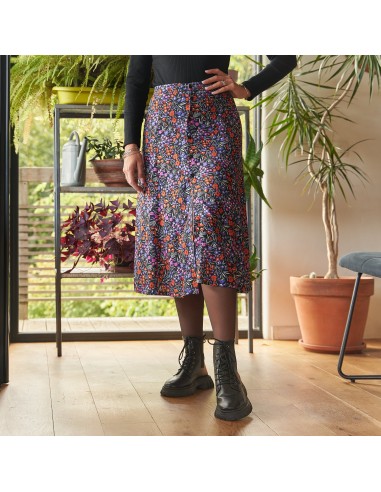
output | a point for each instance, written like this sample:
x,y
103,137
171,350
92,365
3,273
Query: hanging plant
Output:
x,y
33,78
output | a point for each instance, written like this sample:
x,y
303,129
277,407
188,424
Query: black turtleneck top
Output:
x,y
170,69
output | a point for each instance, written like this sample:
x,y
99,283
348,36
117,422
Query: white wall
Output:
x,y
293,234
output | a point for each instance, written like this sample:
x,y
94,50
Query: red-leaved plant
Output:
x,y
99,234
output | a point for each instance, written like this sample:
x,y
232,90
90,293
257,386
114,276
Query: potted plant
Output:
x,y
107,161
44,80
100,233
302,112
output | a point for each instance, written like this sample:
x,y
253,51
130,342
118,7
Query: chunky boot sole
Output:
x,y
236,414
202,382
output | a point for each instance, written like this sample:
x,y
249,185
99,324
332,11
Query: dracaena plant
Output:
x,y
100,233
305,121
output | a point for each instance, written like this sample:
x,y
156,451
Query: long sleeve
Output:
x,y
279,67
137,87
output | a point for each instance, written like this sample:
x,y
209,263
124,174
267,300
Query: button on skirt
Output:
x,y
191,221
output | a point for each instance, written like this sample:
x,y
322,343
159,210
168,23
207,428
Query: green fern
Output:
x,y
34,76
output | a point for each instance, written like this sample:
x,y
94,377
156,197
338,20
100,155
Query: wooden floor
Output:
x,y
113,388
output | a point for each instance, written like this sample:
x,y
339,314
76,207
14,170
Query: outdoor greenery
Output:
x,y
303,113
103,308
245,65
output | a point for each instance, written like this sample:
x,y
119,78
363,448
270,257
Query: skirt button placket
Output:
x,y
191,175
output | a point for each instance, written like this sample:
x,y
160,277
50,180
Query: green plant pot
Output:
x,y
80,95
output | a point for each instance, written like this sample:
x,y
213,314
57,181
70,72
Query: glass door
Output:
x,y
91,309
4,218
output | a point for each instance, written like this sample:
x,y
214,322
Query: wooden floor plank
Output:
x,y
321,392
121,323
25,403
51,325
113,388
79,325
284,417
74,410
114,395
34,325
214,427
121,428
114,324
364,396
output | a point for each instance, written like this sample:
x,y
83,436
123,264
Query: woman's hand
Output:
x,y
222,82
133,168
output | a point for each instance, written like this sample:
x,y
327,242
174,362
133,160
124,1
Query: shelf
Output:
x,y
93,272
92,188
97,189
101,110
85,111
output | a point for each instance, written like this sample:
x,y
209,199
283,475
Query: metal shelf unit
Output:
x,y
74,111
103,111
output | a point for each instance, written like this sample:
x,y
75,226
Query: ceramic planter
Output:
x,y
322,307
80,95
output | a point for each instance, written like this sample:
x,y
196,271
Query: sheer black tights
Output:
x,y
221,304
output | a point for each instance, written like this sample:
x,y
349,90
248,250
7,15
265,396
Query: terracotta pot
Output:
x,y
322,307
110,171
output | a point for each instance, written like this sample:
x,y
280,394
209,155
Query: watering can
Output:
x,y
74,161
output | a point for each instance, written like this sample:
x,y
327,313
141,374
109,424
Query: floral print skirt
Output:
x,y
191,220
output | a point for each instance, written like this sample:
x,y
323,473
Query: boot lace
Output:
x,y
187,357
225,366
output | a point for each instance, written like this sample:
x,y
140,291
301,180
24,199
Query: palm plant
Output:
x,y
305,121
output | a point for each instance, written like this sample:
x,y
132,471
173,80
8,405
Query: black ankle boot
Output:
x,y
232,400
189,377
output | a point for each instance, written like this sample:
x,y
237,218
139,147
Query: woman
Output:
x,y
192,238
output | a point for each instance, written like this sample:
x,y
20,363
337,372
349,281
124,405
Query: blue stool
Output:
x,y
362,262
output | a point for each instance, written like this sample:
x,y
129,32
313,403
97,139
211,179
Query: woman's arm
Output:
x,y
279,67
137,87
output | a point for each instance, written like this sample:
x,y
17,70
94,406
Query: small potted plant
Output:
x,y
107,161
101,233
